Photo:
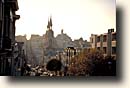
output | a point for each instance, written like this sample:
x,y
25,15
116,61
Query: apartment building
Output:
x,y
105,42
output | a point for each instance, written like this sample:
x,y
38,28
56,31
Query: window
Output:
x,y
0,11
92,40
98,39
113,50
11,15
104,50
98,48
114,37
104,38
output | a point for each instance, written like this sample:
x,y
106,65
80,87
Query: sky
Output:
x,y
78,18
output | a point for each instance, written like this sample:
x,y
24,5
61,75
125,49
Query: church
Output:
x,y
49,44
52,45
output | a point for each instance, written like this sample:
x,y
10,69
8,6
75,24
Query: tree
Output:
x,y
93,63
98,65
54,65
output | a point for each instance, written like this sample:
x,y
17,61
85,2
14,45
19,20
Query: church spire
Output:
x,y
62,31
50,21
48,25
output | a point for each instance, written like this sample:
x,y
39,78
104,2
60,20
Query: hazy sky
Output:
x,y
78,18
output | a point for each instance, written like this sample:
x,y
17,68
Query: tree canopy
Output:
x,y
54,65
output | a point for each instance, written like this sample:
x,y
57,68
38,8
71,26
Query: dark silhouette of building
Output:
x,y
7,35
19,59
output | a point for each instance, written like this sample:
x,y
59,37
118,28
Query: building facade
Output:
x,y
63,40
80,43
105,42
23,39
36,49
7,35
20,59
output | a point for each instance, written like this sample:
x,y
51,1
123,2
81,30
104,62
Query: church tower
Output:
x,y
50,32
50,40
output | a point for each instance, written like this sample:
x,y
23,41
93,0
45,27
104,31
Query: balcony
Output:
x,y
16,17
113,43
99,44
104,44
